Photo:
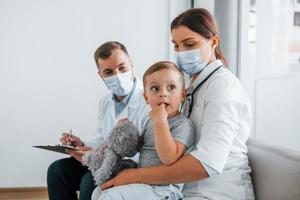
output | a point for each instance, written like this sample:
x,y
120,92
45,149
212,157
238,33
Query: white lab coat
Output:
x,y
222,118
136,111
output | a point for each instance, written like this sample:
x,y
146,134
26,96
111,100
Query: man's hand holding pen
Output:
x,y
72,140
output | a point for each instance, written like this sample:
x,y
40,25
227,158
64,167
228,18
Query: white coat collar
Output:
x,y
205,72
136,95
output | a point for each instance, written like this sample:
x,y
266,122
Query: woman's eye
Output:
x,y
189,44
154,88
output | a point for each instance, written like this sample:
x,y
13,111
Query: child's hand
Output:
x,y
159,113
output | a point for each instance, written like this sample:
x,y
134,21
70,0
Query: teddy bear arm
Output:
x,y
94,159
108,168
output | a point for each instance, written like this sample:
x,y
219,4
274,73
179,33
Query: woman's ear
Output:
x,y
215,41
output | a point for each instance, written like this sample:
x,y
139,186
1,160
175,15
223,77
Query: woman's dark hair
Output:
x,y
200,21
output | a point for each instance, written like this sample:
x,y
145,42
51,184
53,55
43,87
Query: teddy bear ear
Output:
x,y
123,121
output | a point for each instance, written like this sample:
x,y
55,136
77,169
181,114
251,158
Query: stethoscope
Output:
x,y
190,97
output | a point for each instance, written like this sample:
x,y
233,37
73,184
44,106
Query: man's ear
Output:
x,y
145,97
131,63
100,74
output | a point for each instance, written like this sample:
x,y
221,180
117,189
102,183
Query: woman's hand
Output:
x,y
186,169
124,177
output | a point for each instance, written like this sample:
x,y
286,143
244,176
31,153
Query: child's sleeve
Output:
x,y
183,131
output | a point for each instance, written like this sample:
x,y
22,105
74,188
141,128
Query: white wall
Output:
x,y
274,86
48,79
277,111
267,66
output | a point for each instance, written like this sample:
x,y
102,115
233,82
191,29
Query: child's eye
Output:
x,y
154,88
171,87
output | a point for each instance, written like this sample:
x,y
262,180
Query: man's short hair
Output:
x,y
106,49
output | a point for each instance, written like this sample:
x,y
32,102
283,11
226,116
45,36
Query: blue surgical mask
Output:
x,y
190,61
120,84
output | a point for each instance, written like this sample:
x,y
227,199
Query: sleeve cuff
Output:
x,y
205,163
210,171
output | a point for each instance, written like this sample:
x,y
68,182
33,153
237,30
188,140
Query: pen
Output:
x,y
69,138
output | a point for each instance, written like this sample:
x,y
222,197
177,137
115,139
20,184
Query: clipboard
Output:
x,y
60,148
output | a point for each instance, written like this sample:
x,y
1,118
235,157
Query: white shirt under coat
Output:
x,y
136,110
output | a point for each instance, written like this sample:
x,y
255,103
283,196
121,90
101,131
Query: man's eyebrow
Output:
x,y
121,64
107,70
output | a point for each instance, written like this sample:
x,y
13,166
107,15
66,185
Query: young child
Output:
x,y
166,137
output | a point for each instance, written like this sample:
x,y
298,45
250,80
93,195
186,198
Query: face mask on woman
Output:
x,y
120,84
190,61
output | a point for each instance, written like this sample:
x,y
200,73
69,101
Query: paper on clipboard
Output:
x,y
60,148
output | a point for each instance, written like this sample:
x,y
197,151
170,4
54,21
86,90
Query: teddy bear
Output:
x,y
108,158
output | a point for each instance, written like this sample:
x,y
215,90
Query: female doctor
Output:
x,y
217,167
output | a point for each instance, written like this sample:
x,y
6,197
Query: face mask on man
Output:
x,y
190,61
120,84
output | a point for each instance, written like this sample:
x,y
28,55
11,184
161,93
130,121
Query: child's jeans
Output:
x,y
138,192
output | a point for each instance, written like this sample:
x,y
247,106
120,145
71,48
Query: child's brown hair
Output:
x,y
160,66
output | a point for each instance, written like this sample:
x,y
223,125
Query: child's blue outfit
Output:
x,y
182,131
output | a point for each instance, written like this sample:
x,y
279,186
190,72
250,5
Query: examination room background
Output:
x,y
49,81
48,78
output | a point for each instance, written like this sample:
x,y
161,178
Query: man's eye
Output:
x,y
171,87
154,88
122,68
107,72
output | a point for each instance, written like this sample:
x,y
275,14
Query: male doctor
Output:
x,y
66,176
